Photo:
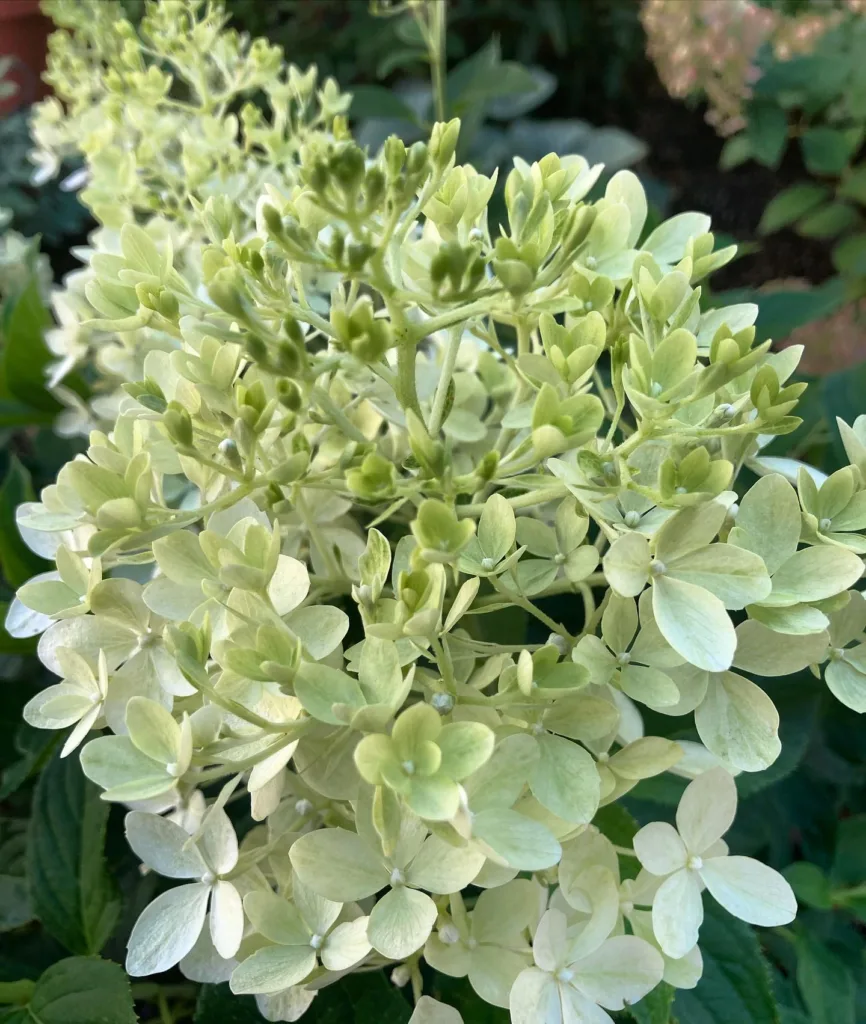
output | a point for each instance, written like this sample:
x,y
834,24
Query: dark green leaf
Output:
x,y
218,1003
791,204
828,221
25,354
735,987
402,57
825,983
736,151
853,185
656,1007
15,909
849,256
72,893
377,101
767,132
522,90
811,886
17,561
354,999
35,747
82,990
849,859
826,150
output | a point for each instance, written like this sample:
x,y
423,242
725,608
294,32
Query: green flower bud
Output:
x,y
178,424
443,142
395,155
289,394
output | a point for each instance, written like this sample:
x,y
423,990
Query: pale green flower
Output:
x,y
169,927
693,856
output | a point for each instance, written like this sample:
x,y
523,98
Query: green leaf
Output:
x,y
767,132
17,561
15,909
735,987
656,1007
356,999
82,990
35,747
828,221
25,354
377,101
735,151
810,884
849,256
826,150
825,983
791,204
849,858
72,893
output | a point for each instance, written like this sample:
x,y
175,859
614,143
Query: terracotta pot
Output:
x,y
24,32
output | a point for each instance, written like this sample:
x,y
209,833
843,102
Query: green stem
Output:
x,y
436,50
529,607
437,416
536,497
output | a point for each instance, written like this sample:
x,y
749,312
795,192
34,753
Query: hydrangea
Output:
x,y
162,114
275,571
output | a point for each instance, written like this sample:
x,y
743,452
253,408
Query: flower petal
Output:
x,y
534,998
167,929
694,622
401,922
272,969
659,848
678,913
622,970
750,890
707,809
346,945
226,919
550,941
160,844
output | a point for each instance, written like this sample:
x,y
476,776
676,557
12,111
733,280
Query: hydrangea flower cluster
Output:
x,y
163,115
276,574
710,47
